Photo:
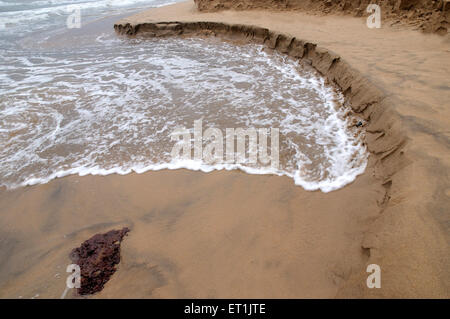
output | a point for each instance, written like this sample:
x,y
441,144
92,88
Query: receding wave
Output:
x,y
111,108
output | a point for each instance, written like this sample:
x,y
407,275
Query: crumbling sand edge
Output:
x,y
385,136
428,16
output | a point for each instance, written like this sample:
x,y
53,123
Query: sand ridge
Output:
x,y
403,223
229,234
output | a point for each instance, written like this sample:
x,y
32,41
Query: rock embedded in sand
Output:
x,y
97,258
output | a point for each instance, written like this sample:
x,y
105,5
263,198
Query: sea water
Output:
x,y
87,101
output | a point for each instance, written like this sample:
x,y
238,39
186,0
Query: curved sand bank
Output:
x,y
230,234
409,239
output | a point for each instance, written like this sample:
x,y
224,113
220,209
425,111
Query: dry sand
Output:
x,y
228,234
426,15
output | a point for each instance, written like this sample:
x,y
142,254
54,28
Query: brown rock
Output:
x,y
97,258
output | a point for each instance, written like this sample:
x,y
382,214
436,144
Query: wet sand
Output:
x,y
228,234
221,234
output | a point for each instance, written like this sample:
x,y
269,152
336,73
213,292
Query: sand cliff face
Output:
x,y
427,15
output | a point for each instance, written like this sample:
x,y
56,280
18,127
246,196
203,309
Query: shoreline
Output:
x,y
386,137
227,234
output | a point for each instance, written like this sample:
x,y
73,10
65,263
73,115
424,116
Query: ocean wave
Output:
x,y
111,109
24,13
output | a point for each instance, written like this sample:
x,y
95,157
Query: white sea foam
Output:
x,y
111,108
27,16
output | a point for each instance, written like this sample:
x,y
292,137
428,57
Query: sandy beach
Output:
x,y
193,235
228,234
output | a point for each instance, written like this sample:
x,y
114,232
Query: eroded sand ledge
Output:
x,y
386,140
234,235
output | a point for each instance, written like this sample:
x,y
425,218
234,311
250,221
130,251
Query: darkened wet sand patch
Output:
x,y
220,234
